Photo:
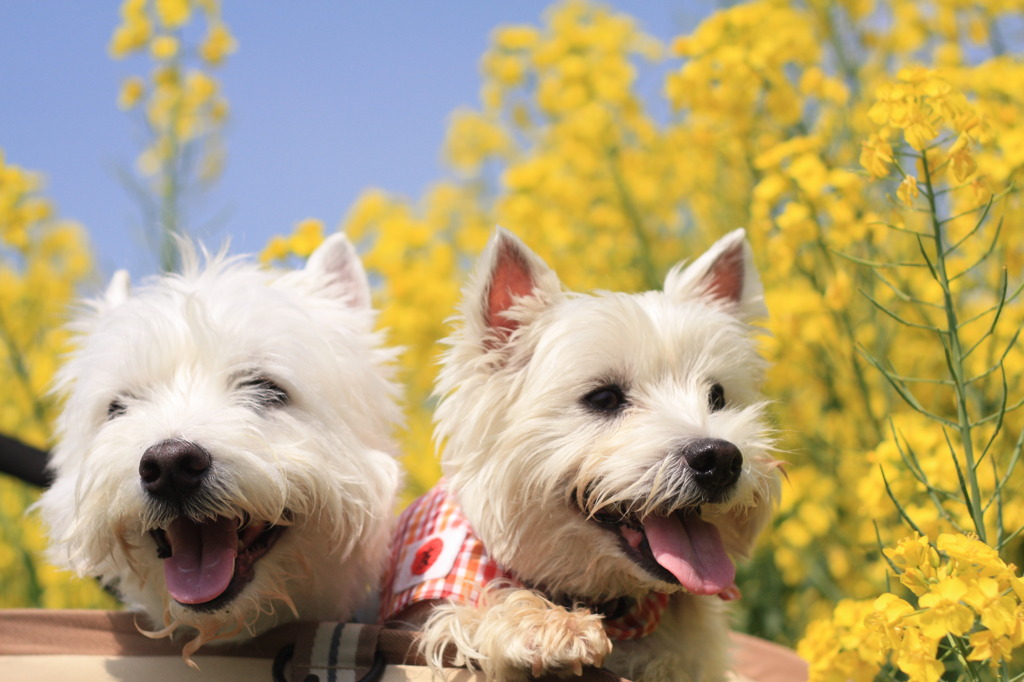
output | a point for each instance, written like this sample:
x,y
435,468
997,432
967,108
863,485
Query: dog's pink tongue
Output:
x,y
691,549
202,559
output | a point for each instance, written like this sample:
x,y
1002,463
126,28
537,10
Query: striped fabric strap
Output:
x,y
335,652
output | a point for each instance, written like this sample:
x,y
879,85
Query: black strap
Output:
x,y
24,462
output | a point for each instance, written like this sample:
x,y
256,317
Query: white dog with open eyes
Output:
x,y
606,458
225,458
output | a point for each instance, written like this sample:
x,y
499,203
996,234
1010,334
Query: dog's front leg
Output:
x,y
514,633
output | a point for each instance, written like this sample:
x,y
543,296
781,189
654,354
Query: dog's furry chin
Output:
x,y
267,392
570,425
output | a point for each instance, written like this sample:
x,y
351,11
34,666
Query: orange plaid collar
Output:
x,y
436,555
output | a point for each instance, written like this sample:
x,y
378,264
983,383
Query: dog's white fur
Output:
x,y
523,455
183,358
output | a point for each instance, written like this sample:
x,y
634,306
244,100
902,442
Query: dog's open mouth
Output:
x,y
677,547
206,565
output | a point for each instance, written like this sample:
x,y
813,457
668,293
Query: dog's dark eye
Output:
x,y
716,398
265,392
606,399
116,408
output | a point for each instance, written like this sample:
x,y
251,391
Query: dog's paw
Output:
x,y
515,633
564,640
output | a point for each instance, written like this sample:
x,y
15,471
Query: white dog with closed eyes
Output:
x,y
606,458
225,458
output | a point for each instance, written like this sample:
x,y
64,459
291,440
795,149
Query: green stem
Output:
x,y
169,215
955,359
21,372
847,65
959,649
635,219
995,37
169,193
842,316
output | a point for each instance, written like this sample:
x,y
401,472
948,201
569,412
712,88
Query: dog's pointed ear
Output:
x,y
507,272
724,273
118,289
337,271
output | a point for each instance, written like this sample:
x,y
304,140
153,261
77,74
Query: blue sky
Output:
x,y
327,99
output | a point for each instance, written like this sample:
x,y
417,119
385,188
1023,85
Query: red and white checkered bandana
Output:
x,y
436,555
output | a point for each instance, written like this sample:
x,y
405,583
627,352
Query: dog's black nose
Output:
x,y
716,464
173,469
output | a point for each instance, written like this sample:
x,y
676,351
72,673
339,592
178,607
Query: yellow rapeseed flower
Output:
x,y
308,235
173,13
988,646
164,47
132,90
42,261
839,291
130,37
218,44
876,155
915,552
278,248
515,38
1002,616
200,86
964,164
968,549
796,222
943,611
917,657
472,139
919,131
907,191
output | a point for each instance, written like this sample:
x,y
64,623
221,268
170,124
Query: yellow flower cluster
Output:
x,y
473,139
968,605
739,63
43,258
308,235
921,103
918,103
948,292
582,57
154,23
